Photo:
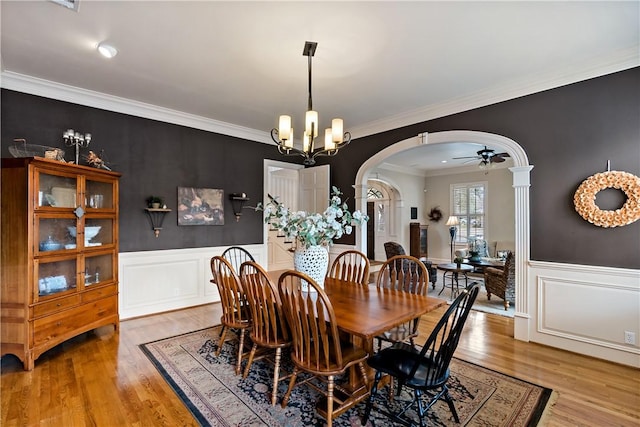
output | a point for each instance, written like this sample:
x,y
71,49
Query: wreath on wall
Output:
x,y
435,214
584,199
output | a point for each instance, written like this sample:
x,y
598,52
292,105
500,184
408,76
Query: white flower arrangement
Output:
x,y
311,229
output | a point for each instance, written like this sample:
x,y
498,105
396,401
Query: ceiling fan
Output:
x,y
487,156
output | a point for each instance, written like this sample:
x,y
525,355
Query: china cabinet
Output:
x,y
59,254
418,244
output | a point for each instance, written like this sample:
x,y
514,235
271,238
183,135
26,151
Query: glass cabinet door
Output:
x,y
98,269
55,275
99,195
98,232
55,190
55,233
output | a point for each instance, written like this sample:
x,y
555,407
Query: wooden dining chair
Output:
x,y
235,309
317,348
269,326
408,274
351,266
236,255
424,370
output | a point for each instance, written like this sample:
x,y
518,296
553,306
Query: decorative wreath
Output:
x,y
435,214
585,199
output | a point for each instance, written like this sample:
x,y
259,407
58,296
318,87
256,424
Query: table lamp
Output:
x,y
452,222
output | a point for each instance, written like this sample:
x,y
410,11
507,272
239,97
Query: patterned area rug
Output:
x,y
217,397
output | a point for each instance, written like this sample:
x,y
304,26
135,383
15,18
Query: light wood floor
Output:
x,y
102,378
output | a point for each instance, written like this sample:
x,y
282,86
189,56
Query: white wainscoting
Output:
x,y
157,281
586,309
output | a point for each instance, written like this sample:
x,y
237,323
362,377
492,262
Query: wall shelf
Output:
x,y
156,216
238,201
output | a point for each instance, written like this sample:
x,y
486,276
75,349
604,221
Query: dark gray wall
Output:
x,y
154,158
569,133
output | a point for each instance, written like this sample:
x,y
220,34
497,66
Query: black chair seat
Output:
x,y
400,359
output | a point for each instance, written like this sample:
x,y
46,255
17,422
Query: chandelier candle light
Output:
x,y
334,138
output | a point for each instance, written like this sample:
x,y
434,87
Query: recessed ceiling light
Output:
x,y
443,161
107,50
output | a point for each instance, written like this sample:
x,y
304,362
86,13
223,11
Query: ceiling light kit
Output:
x,y
107,50
334,138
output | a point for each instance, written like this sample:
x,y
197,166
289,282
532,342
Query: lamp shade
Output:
x,y
453,220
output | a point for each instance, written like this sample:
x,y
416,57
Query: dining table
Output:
x,y
365,311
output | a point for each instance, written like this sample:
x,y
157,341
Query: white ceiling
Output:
x,y
378,65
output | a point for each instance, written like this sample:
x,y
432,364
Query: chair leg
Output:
x,y
292,383
363,372
372,396
249,360
240,345
330,400
421,409
449,400
276,375
223,335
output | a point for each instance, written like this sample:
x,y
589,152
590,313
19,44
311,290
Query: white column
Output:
x,y
522,318
361,205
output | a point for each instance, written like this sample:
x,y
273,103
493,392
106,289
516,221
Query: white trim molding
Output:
x,y
586,309
89,98
156,281
520,170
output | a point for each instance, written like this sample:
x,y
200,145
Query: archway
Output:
x,y
521,182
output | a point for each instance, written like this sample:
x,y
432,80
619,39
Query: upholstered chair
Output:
x,y
392,249
501,282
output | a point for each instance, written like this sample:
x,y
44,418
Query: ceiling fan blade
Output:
x,y
468,157
497,159
502,154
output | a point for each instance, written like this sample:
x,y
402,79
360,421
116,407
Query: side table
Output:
x,y
454,273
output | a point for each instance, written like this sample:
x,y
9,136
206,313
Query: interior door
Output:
x,y
371,234
283,184
299,189
314,188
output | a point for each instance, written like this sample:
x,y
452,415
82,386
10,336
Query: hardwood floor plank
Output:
x,y
102,378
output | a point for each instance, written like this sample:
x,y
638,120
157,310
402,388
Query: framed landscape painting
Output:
x,y
200,206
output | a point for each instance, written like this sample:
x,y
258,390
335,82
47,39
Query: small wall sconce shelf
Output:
x,y
238,201
156,216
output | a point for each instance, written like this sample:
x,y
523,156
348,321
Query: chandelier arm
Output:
x,y
286,151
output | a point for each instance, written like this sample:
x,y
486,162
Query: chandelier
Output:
x,y
334,138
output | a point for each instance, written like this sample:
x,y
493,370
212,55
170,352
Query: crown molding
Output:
x,y
618,61
49,89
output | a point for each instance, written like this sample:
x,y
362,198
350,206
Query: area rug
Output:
x,y
216,396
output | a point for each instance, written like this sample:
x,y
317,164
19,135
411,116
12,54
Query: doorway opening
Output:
x,y
521,181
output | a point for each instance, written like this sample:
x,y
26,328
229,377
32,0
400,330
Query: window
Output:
x,y
468,204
